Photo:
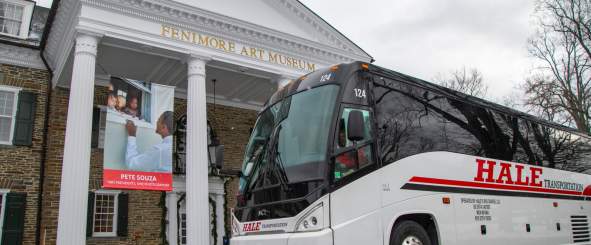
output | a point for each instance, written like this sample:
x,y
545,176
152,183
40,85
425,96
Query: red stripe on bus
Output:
x,y
416,179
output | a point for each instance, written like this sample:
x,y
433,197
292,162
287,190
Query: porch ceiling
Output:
x,y
235,85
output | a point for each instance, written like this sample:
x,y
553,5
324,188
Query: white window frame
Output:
x,y
16,92
3,193
115,194
28,7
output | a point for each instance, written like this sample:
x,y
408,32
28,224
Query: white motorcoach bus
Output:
x,y
357,154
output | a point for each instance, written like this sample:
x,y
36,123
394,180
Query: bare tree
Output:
x,y
514,99
571,17
560,88
466,81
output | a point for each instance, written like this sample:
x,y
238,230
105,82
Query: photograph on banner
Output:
x,y
138,130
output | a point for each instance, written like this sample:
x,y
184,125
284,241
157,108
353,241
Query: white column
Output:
x,y
197,160
219,213
71,226
171,206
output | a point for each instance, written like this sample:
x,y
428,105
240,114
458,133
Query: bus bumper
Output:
x,y
323,237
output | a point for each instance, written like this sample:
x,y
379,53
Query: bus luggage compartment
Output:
x,y
323,237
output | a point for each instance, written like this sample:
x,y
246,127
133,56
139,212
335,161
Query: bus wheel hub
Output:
x,y
412,240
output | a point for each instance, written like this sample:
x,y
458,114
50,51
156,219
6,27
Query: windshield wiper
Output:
x,y
256,164
278,166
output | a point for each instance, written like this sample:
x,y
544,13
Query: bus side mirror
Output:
x,y
355,127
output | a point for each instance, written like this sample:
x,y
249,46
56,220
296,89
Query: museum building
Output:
x,y
223,59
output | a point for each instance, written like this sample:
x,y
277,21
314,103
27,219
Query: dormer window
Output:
x,y
15,17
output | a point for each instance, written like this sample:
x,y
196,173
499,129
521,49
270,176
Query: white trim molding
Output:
x,y
312,21
60,40
20,56
3,193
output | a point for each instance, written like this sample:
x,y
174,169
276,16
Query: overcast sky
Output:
x,y
425,37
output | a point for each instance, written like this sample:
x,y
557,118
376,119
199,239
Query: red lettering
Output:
x,y
535,175
505,173
481,170
252,226
520,181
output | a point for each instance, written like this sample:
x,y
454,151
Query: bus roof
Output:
x,y
311,80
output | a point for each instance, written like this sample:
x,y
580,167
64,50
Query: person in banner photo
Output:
x,y
157,158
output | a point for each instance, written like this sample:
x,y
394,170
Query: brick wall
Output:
x,y
20,165
145,208
232,126
58,109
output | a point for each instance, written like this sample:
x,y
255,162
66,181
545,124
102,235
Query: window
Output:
x,y
15,17
8,105
352,156
303,134
412,120
105,214
342,140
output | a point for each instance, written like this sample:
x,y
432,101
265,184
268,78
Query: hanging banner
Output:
x,y
138,135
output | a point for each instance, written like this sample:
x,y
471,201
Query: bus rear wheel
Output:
x,y
409,233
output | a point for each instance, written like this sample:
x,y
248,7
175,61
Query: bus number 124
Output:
x,y
360,93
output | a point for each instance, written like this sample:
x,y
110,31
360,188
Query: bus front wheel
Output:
x,y
409,233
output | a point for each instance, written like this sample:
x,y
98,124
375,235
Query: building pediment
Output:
x,y
287,28
285,16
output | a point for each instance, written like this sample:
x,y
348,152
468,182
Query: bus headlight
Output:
x,y
313,220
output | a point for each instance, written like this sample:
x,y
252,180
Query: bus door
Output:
x,y
356,199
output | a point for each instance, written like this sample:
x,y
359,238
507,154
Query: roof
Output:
x,y
336,30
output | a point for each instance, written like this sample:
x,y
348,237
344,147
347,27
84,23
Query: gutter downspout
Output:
x,y
48,25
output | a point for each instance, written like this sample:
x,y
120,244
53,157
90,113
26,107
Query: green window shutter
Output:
x,y
14,218
90,214
122,214
25,118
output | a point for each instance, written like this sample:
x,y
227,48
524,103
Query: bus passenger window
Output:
x,y
345,164
360,154
364,156
342,139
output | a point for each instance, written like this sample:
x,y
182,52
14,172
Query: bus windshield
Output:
x,y
304,133
288,145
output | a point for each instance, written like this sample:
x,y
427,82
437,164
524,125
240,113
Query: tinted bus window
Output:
x,y
413,120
